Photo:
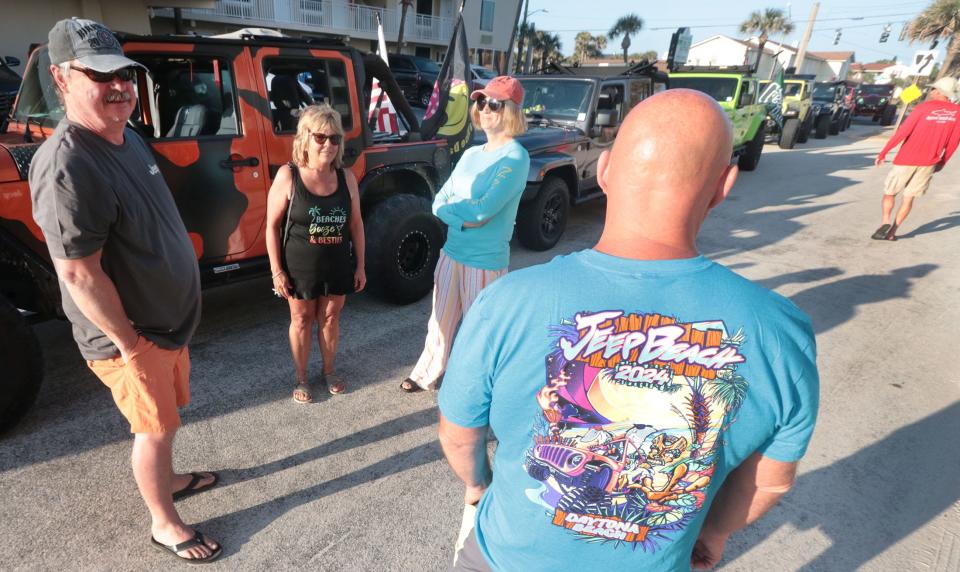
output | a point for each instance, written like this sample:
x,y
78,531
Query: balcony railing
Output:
x,y
328,16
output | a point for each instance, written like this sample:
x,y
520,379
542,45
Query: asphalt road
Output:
x,y
357,482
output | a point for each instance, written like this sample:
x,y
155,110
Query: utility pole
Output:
x,y
802,52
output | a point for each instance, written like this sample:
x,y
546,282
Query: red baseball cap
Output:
x,y
502,87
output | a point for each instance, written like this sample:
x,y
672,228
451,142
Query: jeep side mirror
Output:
x,y
12,61
605,119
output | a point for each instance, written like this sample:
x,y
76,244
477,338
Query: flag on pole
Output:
x,y
448,112
772,96
382,115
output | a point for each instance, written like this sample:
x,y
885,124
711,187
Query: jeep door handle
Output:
x,y
236,161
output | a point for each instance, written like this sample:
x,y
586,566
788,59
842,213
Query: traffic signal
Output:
x,y
836,40
885,34
903,32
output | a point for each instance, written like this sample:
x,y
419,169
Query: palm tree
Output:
x,y
941,20
626,26
528,34
549,45
770,21
582,44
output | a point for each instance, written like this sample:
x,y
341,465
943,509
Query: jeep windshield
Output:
x,y
792,89
556,99
825,91
38,102
722,89
882,90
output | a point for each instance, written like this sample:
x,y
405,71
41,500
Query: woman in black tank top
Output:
x,y
313,224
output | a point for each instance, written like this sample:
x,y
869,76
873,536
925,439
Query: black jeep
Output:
x,y
571,120
831,114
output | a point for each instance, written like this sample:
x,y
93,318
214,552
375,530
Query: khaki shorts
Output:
x,y
913,181
150,387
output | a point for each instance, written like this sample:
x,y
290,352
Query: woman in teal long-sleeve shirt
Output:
x,y
479,204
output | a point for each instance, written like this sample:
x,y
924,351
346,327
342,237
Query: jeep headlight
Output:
x,y
574,460
883,100
860,100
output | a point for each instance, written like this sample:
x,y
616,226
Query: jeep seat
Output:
x,y
189,121
287,98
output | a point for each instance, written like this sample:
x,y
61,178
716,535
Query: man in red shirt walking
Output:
x,y
930,135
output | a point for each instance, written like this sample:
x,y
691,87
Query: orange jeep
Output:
x,y
220,115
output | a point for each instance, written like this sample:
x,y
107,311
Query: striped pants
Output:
x,y
455,288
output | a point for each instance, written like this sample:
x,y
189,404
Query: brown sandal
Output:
x,y
333,383
303,389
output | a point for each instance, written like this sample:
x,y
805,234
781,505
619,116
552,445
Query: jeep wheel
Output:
x,y
21,363
835,126
538,471
889,116
541,222
403,241
790,133
579,500
823,126
806,129
750,158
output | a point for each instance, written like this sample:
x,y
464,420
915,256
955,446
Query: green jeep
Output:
x,y
736,90
797,119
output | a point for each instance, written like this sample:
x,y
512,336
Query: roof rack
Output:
x,y
721,69
801,76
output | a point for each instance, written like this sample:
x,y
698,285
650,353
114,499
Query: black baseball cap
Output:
x,y
91,43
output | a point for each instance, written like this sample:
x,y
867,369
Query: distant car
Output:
x,y
9,84
481,76
877,101
416,77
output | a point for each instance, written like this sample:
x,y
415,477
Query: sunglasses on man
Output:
x,y
322,138
495,105
123,74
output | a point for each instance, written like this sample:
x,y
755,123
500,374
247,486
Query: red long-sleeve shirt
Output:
x,y
930,135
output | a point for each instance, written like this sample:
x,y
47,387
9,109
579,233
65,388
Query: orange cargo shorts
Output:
x,y
150,387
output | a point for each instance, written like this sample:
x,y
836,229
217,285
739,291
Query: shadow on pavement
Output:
x,y
873,498
830,305
799,277
756,216
237,528
938,225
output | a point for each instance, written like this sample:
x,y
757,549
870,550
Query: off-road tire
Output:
x,y
538,471
806,128
579,500
403,242
835,126
541,221
875,118
750,158
790,133
889,116
822,127
21,363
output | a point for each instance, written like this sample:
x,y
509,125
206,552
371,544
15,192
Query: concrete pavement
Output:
x,y
357,482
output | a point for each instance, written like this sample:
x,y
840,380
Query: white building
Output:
x,y
427,28
723,50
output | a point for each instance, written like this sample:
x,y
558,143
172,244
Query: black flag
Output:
x,y
448,113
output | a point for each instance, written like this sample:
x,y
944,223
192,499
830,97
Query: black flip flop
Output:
x,y
414,388
192,488
881,233
197,540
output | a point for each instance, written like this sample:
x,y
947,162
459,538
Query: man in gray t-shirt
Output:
x,y
127,269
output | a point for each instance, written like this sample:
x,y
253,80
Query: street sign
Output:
x,y
922,63
910,94
679,48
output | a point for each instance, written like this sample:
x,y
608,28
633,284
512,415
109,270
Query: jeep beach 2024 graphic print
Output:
x,y
634,410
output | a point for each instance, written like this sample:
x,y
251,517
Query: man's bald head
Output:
x,y
670,163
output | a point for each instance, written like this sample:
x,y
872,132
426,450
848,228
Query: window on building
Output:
x,y
294,83
186,97
486,15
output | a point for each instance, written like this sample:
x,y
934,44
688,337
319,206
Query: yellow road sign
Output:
x,y
910,94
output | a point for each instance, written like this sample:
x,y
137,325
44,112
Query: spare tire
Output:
x,y
403,242
22,364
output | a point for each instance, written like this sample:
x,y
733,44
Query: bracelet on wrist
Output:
x,y
277,273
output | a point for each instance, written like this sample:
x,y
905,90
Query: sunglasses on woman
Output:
x,y
495,105
123,74
322,138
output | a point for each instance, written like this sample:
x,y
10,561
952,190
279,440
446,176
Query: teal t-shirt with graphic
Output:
x,y
622,393
485,187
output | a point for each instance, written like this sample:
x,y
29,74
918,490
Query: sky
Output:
x,y
861,22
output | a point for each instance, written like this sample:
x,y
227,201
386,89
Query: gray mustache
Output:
x,y
118,97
